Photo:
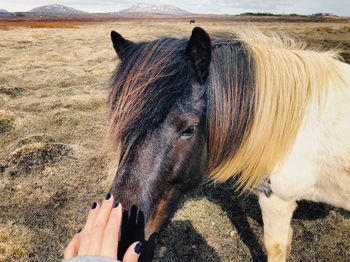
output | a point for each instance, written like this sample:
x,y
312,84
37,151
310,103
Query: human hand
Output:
x,y
100,235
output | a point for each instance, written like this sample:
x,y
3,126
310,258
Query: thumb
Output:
x,y
133,252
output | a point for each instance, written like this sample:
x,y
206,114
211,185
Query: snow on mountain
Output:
x,y
154,9
4,12
56,9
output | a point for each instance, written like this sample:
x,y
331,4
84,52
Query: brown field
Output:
x,y
7,25
53,81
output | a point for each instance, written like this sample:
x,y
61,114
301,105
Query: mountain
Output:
x,y
56,9
4,12
148,9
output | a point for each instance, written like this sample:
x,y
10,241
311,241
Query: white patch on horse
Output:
x,y
317,166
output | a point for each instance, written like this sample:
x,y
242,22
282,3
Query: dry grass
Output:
x,y
10,247
52,120
6,121
34,157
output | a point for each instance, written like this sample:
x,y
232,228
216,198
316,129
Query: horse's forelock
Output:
x,y
147,83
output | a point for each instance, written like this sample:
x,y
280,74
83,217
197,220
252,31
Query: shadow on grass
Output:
x,y
181,242
239,208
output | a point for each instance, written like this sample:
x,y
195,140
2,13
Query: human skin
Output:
x,y
100,235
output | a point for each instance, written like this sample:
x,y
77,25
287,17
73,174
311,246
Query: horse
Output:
x,y
192,21
264,109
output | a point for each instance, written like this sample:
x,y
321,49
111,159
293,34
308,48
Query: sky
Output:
x,y
338,7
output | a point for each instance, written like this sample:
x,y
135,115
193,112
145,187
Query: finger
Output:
x,y
72,247
86,232
109,246
133,252
99,226
124,236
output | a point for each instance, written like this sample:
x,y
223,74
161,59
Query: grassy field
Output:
x,y
53,89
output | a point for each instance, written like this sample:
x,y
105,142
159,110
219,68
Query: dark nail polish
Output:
x,y
108,196
93,205
116,204
138,248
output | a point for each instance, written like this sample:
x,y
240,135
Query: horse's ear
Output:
x,y
199,51
120,44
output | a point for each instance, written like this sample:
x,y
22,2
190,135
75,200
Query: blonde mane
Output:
x,y
288,77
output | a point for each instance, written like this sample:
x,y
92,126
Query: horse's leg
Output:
x,y
277,215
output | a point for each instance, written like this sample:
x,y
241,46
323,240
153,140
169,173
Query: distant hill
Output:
x,y
152,9
56,9
4,13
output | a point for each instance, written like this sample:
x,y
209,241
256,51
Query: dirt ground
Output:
x,y
52,120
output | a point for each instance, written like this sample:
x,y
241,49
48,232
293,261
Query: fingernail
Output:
x,y
138,248
93,205
116,204
108,196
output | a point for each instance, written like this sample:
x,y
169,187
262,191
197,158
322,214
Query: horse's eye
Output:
x,y
188,132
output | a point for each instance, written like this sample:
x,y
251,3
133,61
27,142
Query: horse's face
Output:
x,y
163,132
167,162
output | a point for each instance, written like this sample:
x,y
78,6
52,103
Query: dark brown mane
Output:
x,y
230,100
148,82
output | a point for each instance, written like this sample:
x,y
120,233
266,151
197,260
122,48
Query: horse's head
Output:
x,y
158,122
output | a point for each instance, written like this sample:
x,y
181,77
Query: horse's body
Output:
x,y
259,107
316,168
